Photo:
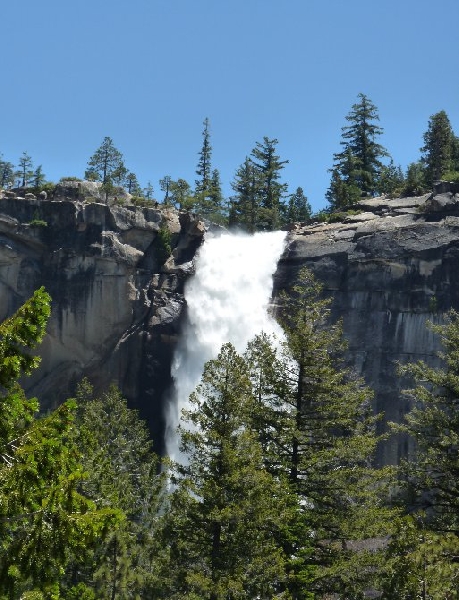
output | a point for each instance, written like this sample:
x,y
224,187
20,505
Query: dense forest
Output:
x,y
261,200
278,497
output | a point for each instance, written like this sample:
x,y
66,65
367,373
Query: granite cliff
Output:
x,y
116,275
390,269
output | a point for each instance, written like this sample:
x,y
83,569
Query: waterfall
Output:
x,y
227,301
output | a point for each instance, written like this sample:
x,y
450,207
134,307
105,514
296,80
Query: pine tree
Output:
x,y
165,184
246,203
132,184
204,168
298,208
106,164
42,514
359,164
227,509
269,166
25,172
439,147
315,424
391,180
6,174
38,177
428,538
122,475
181,195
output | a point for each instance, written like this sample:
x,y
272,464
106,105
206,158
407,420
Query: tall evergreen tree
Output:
x,y
227,509
359,164
204,168
132,184
122,475
316,425
25,171
6,174
298,208
42,514
439,147
423,554
208,198
165,185
106,163
246,203
272,192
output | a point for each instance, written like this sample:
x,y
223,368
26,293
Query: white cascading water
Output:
x,y
227,301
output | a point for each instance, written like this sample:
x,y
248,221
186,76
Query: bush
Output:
x,y
38,223
163,245
452,176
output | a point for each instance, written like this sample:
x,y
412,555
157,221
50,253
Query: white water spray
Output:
x,y
227,301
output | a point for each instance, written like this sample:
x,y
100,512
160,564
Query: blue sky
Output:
x,y
147,73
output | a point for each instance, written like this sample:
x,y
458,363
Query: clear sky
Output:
x,y
147,73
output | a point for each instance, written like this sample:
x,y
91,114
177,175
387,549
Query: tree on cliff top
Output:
x,y
105,163
356,169
439,147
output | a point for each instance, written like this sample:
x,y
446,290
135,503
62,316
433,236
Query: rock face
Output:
x,y
390,269
117,291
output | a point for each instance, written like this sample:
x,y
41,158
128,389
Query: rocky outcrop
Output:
x,y
116,288
390,269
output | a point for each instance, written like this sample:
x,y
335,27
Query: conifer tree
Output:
x,y
165,185
106,164
6,174
439,147
204,168
132,184
122,475
227,509
246,203
42,514
269,166
25,172
298,208
316,425
359,164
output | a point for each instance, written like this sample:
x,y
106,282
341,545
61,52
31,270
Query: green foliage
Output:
x,y
38,223
357,168
25,171
6,173
298,208
227,510
21,333
42,515
180,194
391,180
438,152
258,203
415,180
318,423
162,244
122,476
106,165
451,176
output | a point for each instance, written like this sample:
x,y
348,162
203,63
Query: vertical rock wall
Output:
x,y
390,270
116,305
